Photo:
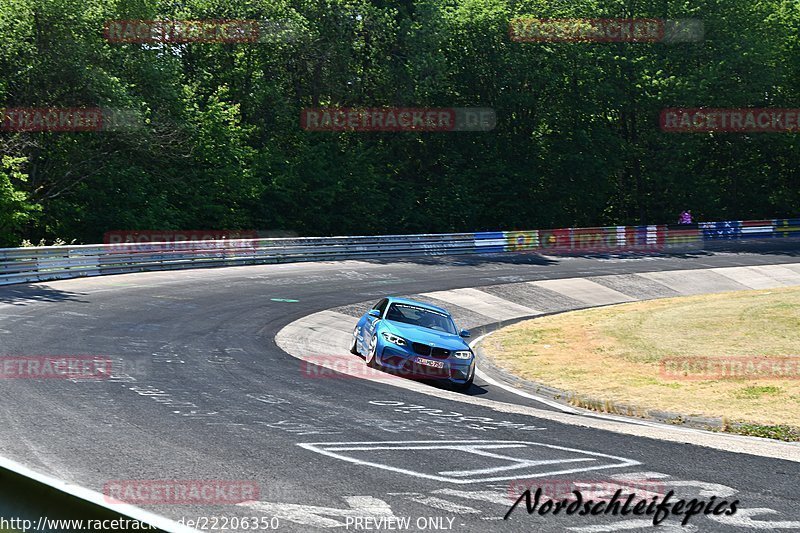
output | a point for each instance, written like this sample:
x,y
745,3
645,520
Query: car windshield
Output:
x,y
418,316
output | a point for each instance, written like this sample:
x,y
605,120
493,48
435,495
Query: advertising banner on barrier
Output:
x,y
756,229
786,227
130,250
645,238
730,229
684,236
611,239
517,241
589,240
555,240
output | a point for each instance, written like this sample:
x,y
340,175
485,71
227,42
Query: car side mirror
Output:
x,y
375,313
464,333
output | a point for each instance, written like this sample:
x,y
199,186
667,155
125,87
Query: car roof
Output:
x,y
418,304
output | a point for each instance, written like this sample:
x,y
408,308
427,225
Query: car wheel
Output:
x,y
372,358
354,346
464,387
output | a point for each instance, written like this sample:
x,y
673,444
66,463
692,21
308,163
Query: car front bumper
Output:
x,y
395,358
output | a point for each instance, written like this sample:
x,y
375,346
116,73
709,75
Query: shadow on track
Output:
x,y
24,294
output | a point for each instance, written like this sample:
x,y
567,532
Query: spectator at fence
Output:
x,y
686,217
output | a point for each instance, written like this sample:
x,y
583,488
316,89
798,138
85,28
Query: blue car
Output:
x,y
414,339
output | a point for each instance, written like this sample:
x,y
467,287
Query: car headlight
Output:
x,y
394,339
462,355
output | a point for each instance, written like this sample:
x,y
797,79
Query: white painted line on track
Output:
x,y
437,503
634,524
287,341
479,495
744,519
524,468
493,382
329,332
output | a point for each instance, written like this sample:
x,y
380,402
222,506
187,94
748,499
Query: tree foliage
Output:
x,y
219,144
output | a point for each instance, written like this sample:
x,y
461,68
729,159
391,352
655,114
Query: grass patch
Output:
x,y
614,355
779,432
757,392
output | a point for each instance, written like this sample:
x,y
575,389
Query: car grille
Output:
x,y
430,351
440,353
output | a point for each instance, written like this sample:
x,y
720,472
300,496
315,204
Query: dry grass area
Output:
x,y
614,354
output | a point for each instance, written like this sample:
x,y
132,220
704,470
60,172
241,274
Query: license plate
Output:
x,y
428,362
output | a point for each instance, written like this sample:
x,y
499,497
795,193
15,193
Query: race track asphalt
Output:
x,y
201,391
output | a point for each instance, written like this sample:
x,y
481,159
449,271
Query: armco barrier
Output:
x,y
21,265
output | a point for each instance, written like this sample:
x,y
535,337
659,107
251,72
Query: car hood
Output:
x,y
426,336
